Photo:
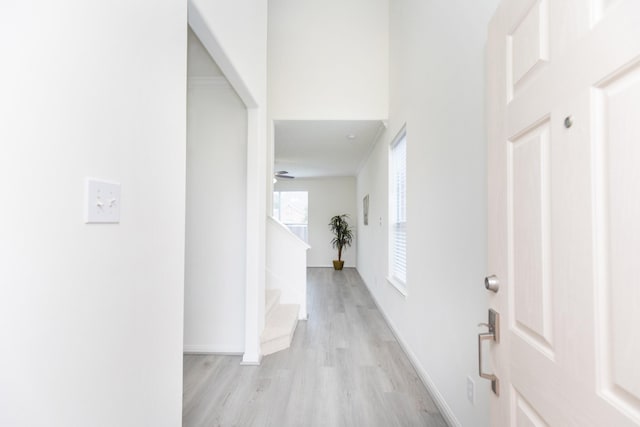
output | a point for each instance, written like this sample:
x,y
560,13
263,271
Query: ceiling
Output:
x,y
322,148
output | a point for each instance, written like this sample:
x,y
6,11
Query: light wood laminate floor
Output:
x,y
344,368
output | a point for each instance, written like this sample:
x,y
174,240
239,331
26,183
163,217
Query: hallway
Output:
x,y
344,368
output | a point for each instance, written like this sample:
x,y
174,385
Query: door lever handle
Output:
x,y
493,335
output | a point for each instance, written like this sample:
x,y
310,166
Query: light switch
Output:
x,y
102,202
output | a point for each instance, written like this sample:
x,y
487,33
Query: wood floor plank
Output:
x,y
344,368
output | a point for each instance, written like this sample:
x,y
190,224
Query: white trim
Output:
x,y
202,30
255,268
286,230
441,403
401,133
210,349
399,286
210,81
392,208
251,361
256,188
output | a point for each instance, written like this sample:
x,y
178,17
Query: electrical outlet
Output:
x,y
471,390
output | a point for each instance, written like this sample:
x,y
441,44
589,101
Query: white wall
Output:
x,y
239,28
216,210
199,62
437,83
287,265
91,315
235,34
328,59
327,197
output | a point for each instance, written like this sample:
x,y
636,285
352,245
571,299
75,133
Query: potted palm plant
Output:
x,y
342,237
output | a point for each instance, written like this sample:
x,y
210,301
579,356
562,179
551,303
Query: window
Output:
x,y
291,209
398,212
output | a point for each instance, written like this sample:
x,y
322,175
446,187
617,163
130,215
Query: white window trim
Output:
x,y
398,284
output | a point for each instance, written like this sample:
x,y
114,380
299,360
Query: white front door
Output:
x,y
564,211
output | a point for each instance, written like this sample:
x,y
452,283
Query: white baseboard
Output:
x,y
439,400
210,349
251,359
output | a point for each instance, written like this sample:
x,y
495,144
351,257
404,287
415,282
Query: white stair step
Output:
x,y
272,299
282,321
280,327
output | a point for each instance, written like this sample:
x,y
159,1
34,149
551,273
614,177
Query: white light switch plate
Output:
x,y
102,204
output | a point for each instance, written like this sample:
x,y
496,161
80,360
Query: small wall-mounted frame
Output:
x,y
365,209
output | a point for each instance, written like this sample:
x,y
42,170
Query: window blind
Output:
x,y
399,209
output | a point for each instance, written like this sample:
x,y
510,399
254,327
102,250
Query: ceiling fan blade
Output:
x,y
283,174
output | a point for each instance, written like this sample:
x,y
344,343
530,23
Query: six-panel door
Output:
x,y
563,79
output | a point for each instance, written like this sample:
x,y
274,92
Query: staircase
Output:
x,y
280,324
286,287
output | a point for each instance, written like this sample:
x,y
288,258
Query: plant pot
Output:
x,y
338,264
